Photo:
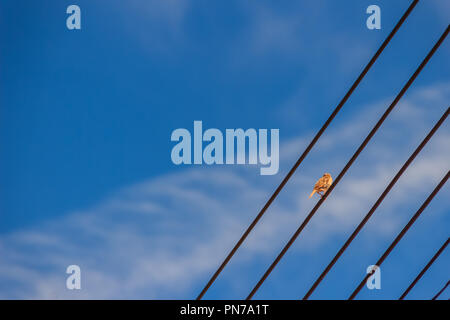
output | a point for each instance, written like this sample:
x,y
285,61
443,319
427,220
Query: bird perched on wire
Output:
x,y
322,185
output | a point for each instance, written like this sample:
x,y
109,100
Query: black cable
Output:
x,y
440,291
310,146
410,81
402,233
348,165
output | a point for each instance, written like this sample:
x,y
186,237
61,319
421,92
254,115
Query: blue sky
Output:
x,y
85,122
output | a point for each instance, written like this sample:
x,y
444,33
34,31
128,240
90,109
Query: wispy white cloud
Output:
x,y
265,31
441,8
157,25
269,31
158,239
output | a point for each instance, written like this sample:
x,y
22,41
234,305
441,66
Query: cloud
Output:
x,y
265,32
159,238
441,8
157,25
271,31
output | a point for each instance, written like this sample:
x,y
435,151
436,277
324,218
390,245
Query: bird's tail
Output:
x,y
312,193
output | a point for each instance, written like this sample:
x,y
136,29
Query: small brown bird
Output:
x,y
322,185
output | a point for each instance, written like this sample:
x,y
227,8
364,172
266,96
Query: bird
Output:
x,y
322,185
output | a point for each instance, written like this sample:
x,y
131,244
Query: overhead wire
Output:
x,y
427,266
440,291
403,232
348,165
308,149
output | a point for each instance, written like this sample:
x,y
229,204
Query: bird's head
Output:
x,y
327,175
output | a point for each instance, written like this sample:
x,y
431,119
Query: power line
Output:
x,y
391,184
402,233
308,149
348,165
437,254
440,292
